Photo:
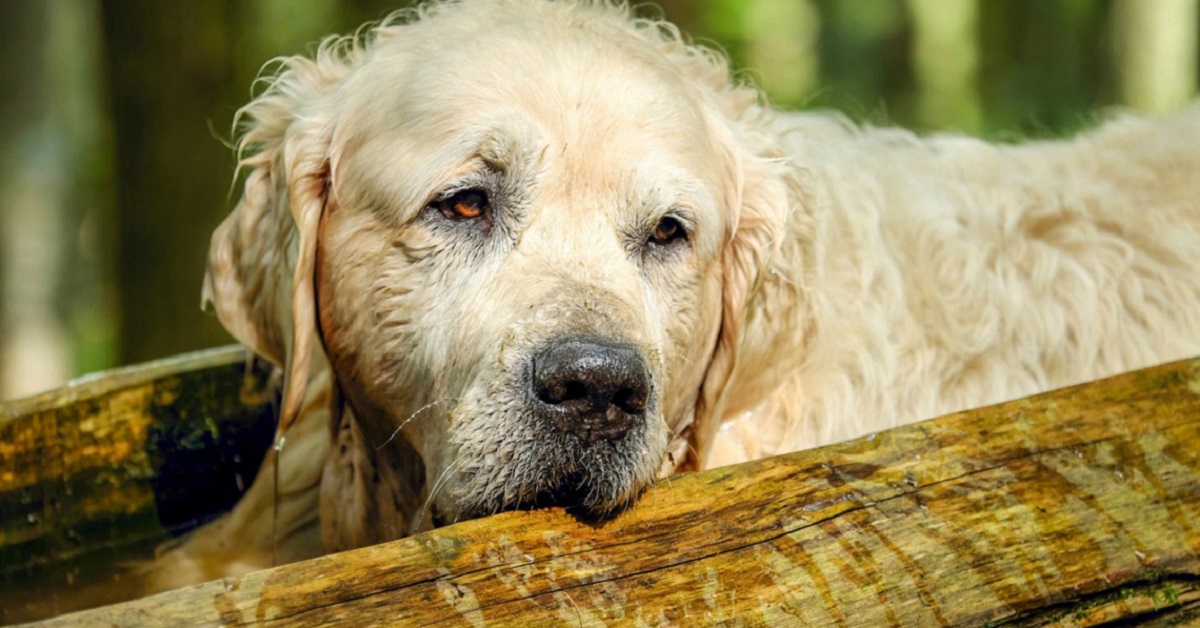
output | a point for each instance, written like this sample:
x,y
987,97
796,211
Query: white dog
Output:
x,y
523,252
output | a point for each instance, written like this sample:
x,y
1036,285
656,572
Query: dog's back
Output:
x,y
946,273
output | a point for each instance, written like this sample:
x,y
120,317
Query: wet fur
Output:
x,y
837,279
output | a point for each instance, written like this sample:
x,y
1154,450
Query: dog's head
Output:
x,y
523,232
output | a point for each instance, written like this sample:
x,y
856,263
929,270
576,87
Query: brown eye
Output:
x,y
465,205
668,230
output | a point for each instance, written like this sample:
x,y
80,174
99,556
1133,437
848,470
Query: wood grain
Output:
x,y
96,474
1073,508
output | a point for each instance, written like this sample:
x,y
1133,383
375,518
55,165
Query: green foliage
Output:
x,y
1043,68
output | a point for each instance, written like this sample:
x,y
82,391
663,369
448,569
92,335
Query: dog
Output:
x,y
516,253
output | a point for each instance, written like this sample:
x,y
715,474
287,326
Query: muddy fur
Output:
x,y
834,279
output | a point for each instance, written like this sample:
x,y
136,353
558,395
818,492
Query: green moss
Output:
x,y
1165,596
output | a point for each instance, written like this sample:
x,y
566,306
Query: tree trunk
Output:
x,y
173,98
1155,42
945,61
54,305
781,38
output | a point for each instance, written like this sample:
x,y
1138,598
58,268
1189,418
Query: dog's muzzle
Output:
x,y
593,388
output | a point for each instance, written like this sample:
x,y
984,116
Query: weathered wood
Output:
x,y
1076,507
96,474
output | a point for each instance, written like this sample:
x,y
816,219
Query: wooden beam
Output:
x,y
96,474
1076,507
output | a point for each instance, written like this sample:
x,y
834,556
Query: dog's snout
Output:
x,y
590,387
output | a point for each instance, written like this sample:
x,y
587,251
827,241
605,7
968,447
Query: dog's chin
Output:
x,y
573,494
593,481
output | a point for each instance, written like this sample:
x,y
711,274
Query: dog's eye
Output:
x,y
464,205
667,231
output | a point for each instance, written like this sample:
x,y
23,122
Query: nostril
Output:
x,y
575,390
630,400
562,392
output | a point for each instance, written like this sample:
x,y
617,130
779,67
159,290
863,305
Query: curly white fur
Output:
x,y
947,273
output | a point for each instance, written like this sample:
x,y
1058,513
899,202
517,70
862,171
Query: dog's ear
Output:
x,y
762,191
763,196
260,264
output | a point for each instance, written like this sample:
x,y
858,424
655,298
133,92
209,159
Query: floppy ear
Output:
x,y
260,264
764,193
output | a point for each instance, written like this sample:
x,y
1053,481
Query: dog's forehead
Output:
x,y
587,77
586,96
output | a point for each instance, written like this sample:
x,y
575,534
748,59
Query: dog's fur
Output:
x,y
834,280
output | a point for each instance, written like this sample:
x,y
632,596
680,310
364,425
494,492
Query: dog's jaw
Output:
x,y
526,469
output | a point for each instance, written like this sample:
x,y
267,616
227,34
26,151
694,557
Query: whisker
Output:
x,y
438,485
278,451
410,418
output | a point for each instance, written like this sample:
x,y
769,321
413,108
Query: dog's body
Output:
x,y
947,273
551,272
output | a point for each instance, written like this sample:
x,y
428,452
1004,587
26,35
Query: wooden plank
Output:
x,y
1072,508
98,473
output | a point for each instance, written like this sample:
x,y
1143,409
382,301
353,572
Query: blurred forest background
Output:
x,y
115,115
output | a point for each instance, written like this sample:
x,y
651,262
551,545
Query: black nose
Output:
x,y
590,387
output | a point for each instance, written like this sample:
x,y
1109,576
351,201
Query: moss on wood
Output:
x,y
95,475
